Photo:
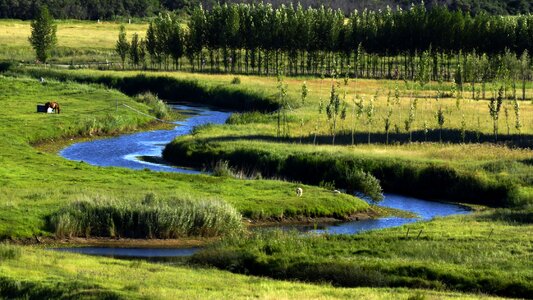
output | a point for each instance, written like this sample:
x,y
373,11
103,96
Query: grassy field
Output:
x,y
38,273
78,41
487,251
34,184
475,170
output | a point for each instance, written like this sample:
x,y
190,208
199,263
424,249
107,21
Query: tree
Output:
x,y
494,110
43,34
333,109
439,116
122,47
135,50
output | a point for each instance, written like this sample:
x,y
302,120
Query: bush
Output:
x,y
158,108
149,218
222,169
357,180
236,80
6,66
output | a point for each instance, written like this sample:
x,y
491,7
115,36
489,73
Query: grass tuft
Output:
x,y
148,218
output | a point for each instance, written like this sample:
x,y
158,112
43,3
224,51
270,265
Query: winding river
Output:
x,y
128,151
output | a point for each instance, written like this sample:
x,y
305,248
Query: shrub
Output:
x,y
158,108
236,80
222,169
6,66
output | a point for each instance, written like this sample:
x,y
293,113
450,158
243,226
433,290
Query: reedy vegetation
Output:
x,y
148,218
66,275
485,252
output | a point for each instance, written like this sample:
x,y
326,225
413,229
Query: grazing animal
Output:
x,y
53,105
336,192
299,192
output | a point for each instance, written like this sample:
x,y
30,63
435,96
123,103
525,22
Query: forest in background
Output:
x,y
108,10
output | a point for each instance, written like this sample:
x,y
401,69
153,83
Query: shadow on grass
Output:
x,y
448,136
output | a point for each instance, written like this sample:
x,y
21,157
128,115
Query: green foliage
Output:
x,y
305,92
456,252
43,34
8,251
222,169
236,80
494,110
123,46
158,108
364,183
149,218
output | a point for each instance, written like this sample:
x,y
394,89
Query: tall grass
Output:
x,y
148,218
415,178
108,124
72,289
466,254
8,251
157,107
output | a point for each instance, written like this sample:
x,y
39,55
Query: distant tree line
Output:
x,y
111,9
415,44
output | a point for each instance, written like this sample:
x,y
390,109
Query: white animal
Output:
x,y
299,192
336,192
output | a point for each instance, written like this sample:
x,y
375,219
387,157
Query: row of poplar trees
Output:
x,y
258,38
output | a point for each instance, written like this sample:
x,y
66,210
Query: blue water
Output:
x,y
125,150
425,210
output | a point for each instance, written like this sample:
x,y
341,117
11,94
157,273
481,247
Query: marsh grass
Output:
x,y
468,253
149,218
158,108
8,251
419,178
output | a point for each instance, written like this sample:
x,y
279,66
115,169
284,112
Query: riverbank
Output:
x,y
486,252
35,183
477,169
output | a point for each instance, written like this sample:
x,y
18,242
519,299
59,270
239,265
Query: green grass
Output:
x,y
78,41
149,218
35,184
488,252
38,273
487,173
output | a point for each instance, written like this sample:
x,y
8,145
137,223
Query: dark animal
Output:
x,y
53,105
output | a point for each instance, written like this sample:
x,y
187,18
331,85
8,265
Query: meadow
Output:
x,y
78,41
487,252
429,140
36,183
36,273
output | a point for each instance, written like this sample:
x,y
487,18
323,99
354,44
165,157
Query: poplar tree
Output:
x,y
43,34
134,50
494,110
122,47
